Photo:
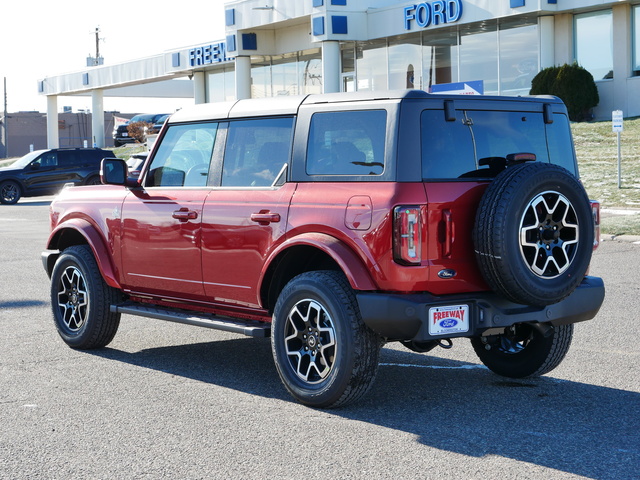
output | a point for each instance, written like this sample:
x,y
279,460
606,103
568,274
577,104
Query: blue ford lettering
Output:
x,y
448,323
432,13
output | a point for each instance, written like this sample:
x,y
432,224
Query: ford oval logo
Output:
x,y
447,273
448,323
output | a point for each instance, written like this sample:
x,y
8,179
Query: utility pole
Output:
x,y
97,45
4,122
97,60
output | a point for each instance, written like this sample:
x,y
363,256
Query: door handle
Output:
x,y
265,217
184,214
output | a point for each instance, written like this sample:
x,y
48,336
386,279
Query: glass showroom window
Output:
x,y
284,75
518,58
405,62
479,56
310,71
594,43
636,40
439,58
221,85
371,65
261,84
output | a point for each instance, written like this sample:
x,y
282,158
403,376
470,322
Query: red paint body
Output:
x,y
217,258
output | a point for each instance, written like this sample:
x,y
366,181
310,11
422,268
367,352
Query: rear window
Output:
x,y
477,143
347,143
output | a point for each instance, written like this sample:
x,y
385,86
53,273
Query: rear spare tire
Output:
x,y
533,234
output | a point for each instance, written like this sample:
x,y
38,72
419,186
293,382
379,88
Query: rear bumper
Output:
x,y
406,317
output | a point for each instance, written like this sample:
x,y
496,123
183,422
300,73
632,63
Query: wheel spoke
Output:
x,y
310,341
549,234
73,298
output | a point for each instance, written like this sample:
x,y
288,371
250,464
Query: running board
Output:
x,y
249,328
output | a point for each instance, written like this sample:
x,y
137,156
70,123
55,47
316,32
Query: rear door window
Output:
x,y
256,151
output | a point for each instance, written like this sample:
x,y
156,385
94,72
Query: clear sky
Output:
x,y
43,38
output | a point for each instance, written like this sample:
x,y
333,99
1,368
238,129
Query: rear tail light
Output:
x,y
595,211
407,236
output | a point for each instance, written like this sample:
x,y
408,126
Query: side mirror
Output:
x,y
113,171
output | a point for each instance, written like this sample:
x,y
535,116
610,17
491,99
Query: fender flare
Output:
x,y
351,265
94,240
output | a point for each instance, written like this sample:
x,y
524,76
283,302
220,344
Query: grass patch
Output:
x,y
597,152
621,225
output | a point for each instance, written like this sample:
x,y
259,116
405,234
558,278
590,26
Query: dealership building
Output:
x,y
292,47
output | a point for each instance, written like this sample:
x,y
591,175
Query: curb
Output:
x,y
635,239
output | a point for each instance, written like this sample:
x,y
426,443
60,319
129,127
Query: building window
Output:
x,y
519,58
503,55
636,40
594,43
221,85
405,62
479,55
439,58
289,74
371,65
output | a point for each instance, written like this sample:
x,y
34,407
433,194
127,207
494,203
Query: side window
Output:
x,y
347,143
67,159
183,157
46,160
256,151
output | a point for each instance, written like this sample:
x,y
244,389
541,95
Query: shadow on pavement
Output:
x,y
454,406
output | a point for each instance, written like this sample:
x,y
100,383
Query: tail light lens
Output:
x,y
595,211
407,233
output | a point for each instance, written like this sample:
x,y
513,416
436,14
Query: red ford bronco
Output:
x,y
335,223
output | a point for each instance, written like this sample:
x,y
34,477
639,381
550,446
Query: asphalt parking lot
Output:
x,y
173,401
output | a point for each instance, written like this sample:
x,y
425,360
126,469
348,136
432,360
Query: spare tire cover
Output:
x,y
533,233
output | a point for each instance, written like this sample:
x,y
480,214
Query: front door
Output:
x,y
161,234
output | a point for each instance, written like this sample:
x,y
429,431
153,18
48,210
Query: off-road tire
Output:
x,y
318,312
81,300
533,234
524,351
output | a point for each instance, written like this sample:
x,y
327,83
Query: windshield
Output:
x,y
27,159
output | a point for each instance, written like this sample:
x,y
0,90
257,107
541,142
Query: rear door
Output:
x,y
245,217
460,156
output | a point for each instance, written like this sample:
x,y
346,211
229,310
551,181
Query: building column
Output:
x,y
243,77
622,41
563,48
53,141
199,88
97,118
546,29
331,68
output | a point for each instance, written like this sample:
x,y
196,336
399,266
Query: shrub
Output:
x,y
573,84
138,130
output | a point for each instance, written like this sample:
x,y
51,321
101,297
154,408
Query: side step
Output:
x,y
247,327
